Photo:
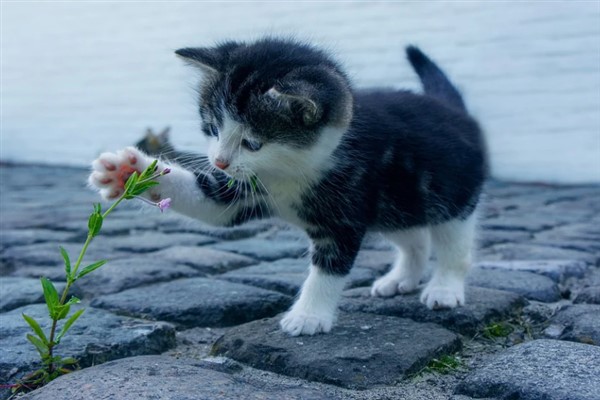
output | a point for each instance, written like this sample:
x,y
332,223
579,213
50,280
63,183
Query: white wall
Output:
x,y
82,77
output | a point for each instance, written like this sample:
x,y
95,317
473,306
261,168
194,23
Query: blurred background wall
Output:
x,y
79,78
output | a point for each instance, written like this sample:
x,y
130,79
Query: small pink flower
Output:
x,y
164,204
166,171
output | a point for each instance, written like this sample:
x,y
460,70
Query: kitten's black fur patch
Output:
x,y
405,160
240,77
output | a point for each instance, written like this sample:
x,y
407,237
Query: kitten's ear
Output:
x,y
149,133
164,135
207,59
296,98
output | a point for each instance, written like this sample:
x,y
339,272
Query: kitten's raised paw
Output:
x,y
296,323
436,296
110,171
388,286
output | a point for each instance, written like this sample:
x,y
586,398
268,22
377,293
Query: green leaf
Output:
x,y
51,295
68,361
73,300
142,187
67,262
149,171
62,311
68,324
95,223
132,181
230,183
39,345
36,328
90,268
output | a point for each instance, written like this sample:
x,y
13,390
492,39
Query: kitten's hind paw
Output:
x,y
436,296
388,286
110,171
296,323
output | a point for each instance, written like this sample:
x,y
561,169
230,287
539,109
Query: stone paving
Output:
x,y
187,311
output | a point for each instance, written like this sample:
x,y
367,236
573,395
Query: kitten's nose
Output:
x,y
221,164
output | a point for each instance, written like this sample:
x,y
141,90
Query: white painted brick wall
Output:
x,y
79,78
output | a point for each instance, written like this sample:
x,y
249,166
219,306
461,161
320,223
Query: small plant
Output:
x,y
444,365
497,330
58,306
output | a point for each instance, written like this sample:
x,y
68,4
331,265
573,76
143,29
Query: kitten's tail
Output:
x,y
435,82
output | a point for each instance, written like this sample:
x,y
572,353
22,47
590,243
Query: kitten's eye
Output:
x,y
251,145
214,131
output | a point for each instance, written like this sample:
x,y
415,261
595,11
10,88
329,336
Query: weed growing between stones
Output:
x,y
444,365
58,306
497,330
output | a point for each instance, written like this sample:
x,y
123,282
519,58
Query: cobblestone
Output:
x,y
537,272
541,369
363,351
483,306
196,302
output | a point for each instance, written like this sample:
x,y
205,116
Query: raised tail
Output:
x,y
435,83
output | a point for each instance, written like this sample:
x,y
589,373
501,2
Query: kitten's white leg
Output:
x,y
405,275
453,242
315,309
111,169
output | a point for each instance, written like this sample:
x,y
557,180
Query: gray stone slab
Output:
x,y
48,254
55,273
112,226
145,242
169,378
265,249
577,323
247,230
360,352
525,251
558,270
288,274
203,259
538,370
96,337
589,295
587,246
529,285
196,302
581,231
126,273
490,237
518,223
16,292
23,237
483,306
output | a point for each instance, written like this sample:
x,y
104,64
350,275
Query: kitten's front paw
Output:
x,y
298,323
437,296
110,171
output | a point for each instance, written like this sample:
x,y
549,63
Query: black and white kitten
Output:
x,y
302,145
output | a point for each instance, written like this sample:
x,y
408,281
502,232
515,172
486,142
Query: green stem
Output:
x,y
71,279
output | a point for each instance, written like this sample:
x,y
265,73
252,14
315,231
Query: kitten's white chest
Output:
x,y
285,199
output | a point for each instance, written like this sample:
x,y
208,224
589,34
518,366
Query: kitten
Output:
x,y
302,145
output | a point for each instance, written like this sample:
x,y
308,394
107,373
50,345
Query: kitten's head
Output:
x,y
273,107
